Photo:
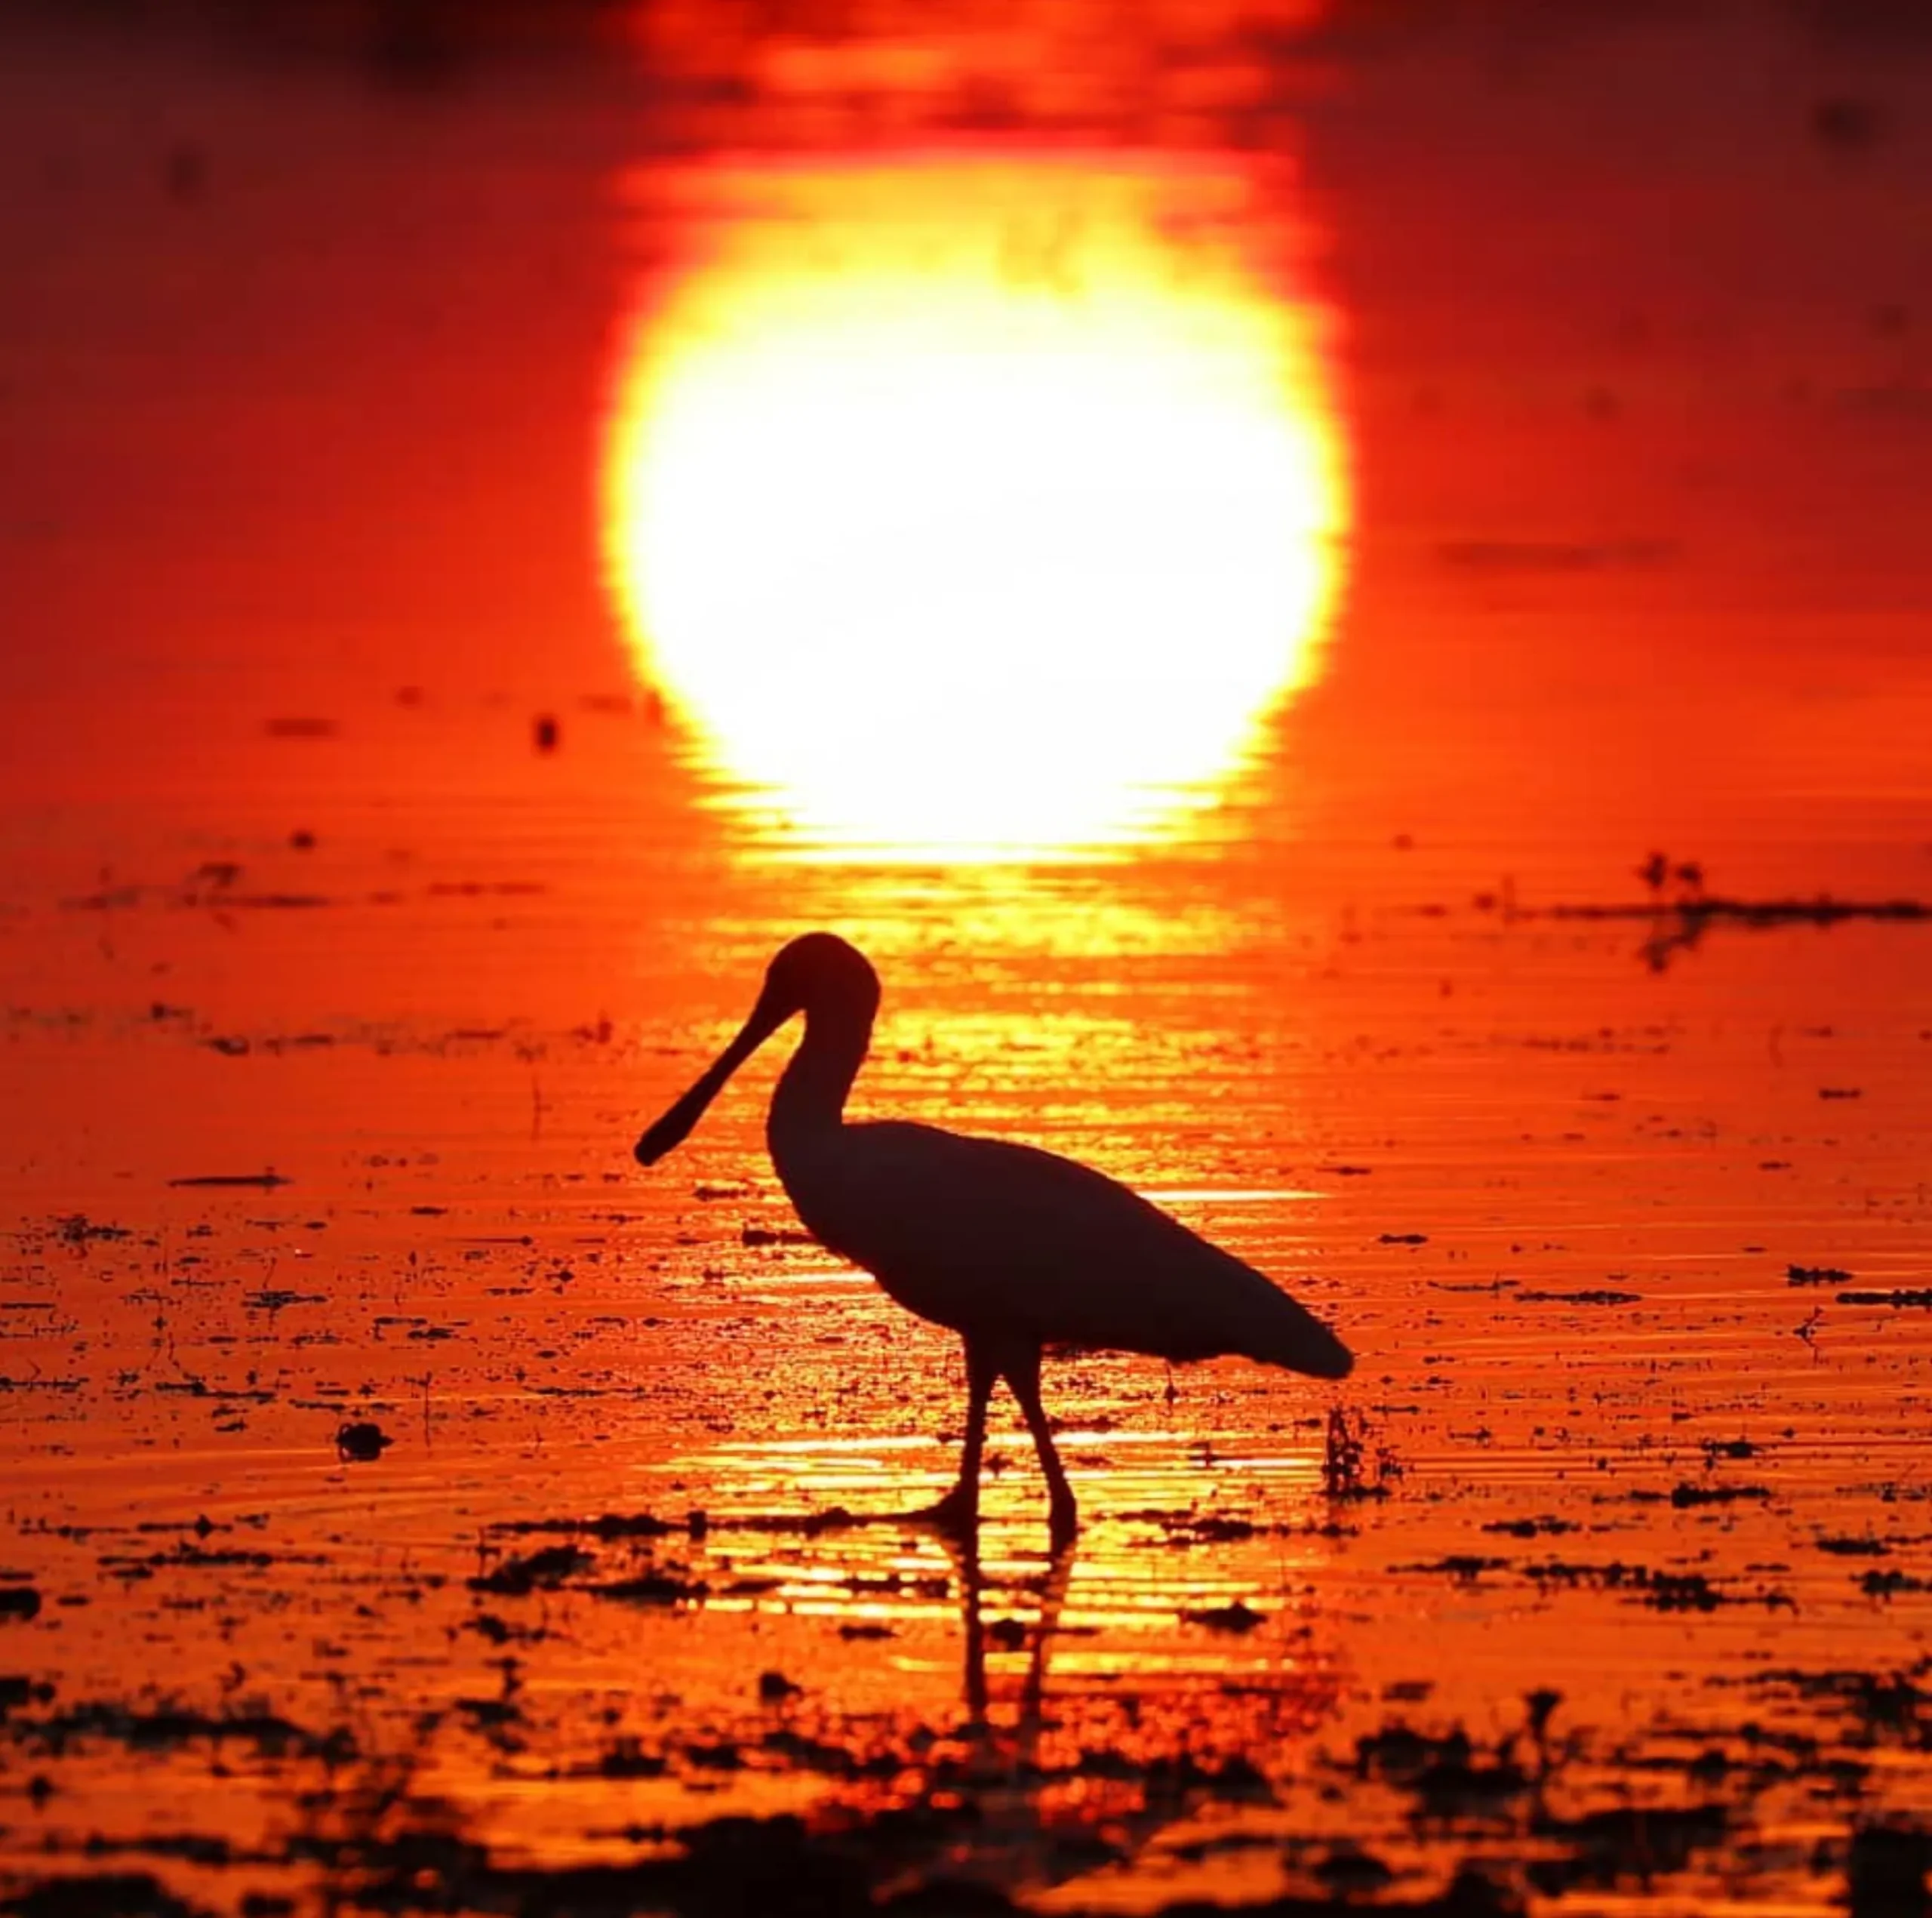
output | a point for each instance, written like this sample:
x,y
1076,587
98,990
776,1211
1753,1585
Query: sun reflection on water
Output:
x,y
973,508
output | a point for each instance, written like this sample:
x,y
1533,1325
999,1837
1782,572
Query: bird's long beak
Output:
x,y
666,1133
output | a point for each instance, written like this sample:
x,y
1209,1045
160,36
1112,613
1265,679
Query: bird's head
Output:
x,y
819,974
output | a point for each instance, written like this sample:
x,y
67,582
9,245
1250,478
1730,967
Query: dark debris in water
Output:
x,y
17,1688
77,1229
361,1441
1465,1568
764,1235
166,1727
1590,1295
1353,1466
1883,1705
609,1525
1683,1497
1890,1583
1716,1448
736,1867
1236,1617
543,1571
267,1181
1626,1846
1822,910
654,1587
1532,1528
1886,1866
1189,1527
1451,1778
1666,1591
103,1895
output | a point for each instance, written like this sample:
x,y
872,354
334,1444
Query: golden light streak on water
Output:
x,y
970,508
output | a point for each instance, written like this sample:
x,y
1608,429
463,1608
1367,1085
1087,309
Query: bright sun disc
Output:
x,y
966,511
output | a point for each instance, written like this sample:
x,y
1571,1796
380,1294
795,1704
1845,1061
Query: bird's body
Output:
x,y
1014,1248
1063,1256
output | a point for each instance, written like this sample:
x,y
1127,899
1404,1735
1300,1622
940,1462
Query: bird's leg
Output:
x,y
1063,1516
959,1510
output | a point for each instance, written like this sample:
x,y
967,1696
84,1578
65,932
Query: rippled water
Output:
x,y
331,1006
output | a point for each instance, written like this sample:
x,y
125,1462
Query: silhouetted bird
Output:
x,y
1654,871
1013,1248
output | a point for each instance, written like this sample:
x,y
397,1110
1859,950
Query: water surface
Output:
x,y
332,1004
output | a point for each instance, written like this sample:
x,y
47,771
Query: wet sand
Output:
x,y
412,1505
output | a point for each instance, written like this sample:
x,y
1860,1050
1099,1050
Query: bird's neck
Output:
x,y
809,1103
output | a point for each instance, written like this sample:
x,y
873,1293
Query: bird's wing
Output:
x,y
988,1237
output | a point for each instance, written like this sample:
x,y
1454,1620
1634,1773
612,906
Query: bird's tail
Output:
x,y
1294,1338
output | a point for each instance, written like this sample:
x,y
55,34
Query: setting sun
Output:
x,y
974,509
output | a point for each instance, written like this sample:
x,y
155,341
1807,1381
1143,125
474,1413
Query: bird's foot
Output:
x,y
957,1512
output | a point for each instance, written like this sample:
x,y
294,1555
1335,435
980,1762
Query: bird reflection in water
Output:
x,y
1049,1589
1085,1776
1013,1248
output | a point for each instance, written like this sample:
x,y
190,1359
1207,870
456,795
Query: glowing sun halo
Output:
x,y
967,513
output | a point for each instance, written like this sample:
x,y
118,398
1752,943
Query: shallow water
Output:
x,y
332,1006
